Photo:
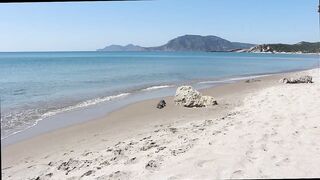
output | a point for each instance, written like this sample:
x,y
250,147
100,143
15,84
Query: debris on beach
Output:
x,y
252,80
302,79
189,97
161,104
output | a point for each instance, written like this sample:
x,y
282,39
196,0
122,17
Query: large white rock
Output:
x,y
189,97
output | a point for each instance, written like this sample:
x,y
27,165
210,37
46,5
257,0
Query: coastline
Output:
x,y
75,114
138,123
26,106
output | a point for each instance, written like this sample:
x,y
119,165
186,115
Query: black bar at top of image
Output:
x,y
35,1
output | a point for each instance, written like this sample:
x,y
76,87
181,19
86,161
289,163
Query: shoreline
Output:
x,y
132,128
46,126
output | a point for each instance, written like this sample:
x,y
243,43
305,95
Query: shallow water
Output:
x,y
40,85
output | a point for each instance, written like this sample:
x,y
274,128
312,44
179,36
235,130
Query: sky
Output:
x,y
87,26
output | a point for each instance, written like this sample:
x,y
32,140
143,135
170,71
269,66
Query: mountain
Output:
x,y
200,43
129,47
301,47
187,43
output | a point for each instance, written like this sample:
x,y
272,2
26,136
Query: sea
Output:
x,y
59,89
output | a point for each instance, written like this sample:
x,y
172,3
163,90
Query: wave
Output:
x,y
19,92
246,77
156,87
51,113
213,82
84,104
14,123
232,79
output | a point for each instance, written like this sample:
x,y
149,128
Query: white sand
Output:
x,y
274,132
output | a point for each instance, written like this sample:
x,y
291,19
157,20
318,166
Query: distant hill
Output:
x,y
301,47
129,47
200,43
187,43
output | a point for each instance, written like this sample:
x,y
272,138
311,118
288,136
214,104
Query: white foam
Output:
x,y
156,87
69,108
84,104
246,77
212,82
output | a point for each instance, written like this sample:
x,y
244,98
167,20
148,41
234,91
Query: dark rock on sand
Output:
x,y
161,104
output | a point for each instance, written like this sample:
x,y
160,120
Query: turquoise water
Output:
x,y
35,86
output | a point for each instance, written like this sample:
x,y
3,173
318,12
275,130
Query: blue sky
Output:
x,y
92,25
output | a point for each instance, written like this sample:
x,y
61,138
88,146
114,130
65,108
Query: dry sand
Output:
x,y
261,129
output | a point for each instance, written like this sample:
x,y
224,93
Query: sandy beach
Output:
x,y
259,129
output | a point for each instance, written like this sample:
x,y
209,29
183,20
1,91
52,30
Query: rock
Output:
x,y
302,79
161,104
189,97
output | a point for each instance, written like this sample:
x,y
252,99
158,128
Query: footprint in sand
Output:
x,y
237,173
273,157
87,153
175,177
7,168
145,138
204,163
280,142
283,161
88,173
160,149
115,175
264,147
153,165
132,161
